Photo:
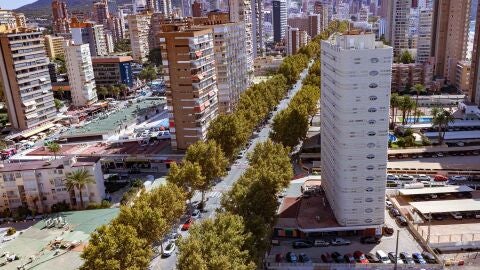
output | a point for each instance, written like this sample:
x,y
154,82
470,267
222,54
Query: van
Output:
x,y
382,256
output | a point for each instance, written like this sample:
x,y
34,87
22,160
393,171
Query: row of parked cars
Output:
x,y
402,258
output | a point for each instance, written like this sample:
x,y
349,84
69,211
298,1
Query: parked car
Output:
x,y
169,249
394,212
424,177
349,258
326,258
372,258
321,243
291,257
440,178
360,257
388,204
339,242
437,216
429,257
302,244
459,178
405,177
303,258
196,214
456,215
388,230
392,177
187,224
370,240
337,257
418,258
391,256
382,256
407,258
402,221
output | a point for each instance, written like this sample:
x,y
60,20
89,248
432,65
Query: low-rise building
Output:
x,y
404,76
463,77
113,70
265,65
39,185
54,46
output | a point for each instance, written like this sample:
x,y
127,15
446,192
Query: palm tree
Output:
x,y
78,180
418,89
54,148
406,105
123,89
417,113
441,119
102,91
394,103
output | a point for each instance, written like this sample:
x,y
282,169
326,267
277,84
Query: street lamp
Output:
x,y
396,251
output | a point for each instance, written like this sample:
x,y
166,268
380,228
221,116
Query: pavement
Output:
x,y
237,170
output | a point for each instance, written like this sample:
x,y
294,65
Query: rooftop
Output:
x,y
41,164
435,190
111,59
446,206
37,241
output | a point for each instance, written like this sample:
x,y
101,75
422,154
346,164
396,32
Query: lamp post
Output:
x,y
396,251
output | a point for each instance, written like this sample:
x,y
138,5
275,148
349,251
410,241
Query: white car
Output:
x,y
196,214
424,177
321,243
392,177
169,249
459,178
340,242
405,177
456,215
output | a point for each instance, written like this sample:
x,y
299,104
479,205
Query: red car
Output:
x,y
440,178
187,224
360,257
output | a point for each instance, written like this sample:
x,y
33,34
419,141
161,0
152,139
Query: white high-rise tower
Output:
x,y
356,82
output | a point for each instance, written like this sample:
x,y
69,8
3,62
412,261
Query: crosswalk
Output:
x,y
209,195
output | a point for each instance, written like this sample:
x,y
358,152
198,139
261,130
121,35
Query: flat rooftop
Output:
x,y
119,118
457,135
446,206
434,190
37,241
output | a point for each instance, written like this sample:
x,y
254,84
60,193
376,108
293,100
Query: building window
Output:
x,y
373,85
372,122
371,133
370,178
368,210
374,60
372,98
369,189
373,73
368,220
371,156
372,110
370,145
370,167
368,199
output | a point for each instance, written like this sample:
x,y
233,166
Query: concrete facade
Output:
x,y
139,28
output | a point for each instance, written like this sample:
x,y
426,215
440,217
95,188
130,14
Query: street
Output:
x,y
237,170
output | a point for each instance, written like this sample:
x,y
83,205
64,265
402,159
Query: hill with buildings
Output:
x,y
42,8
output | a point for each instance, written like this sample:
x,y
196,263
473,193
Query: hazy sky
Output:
x,y
13,4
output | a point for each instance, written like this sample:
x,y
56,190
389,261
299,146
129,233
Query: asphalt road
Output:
x,y
238,168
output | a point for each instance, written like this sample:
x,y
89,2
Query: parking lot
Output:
x,y
406,244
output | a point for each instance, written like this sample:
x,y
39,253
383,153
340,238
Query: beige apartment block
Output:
x,y
54,46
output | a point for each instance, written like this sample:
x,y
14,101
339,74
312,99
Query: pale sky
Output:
x,y
13,4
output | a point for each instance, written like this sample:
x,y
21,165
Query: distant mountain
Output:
x,y
43,8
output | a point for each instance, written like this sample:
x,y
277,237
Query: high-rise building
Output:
x,y
111,70
315,25
322,10
279,17
449,36
80,74
7,19
151,5
258,42
424,42
474,97
25,78
241,11
464,69
192,95
293,40
109,41
165,7
100,12
139,28
363,14
398,25
354,116
54,46
197,9
60,17
89,33
116,26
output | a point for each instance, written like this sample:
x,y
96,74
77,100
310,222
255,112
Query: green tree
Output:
x,y
230,132
188,176
102,91
307,98
3,144
58,104
290,126
148,74
406,105
441,119
155,57
395,100
211,159
123,89
215,244
54,148
117,246
406,57
418,89
122,45
77,180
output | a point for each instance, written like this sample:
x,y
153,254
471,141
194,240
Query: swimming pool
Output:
x,y
392,138
422,119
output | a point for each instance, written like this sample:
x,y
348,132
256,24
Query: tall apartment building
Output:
x,y
279,18
356,75
89,33
80,74
25,78
112,70
165,7
139,28
474,97
54,46
464,69
322,10
60,17
39,185
258,20
116,26
363,14
311,24
7,19
449,36
190,77
197,9
293,40
241,11
100,12
424,41
398,25
315,25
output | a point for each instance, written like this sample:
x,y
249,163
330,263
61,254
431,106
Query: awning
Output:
x,y
29,103
198,53
30,116
36,130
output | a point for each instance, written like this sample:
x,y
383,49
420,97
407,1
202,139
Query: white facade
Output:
x,y
139,29
293,40
424,42
241,11
80,75
356,82
398,24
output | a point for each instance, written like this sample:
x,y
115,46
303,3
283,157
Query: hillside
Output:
x,y
42,8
